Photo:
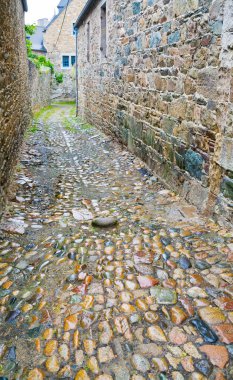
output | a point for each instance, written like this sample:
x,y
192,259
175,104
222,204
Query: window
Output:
x,y
103,46
74,29
65,61
88,42
73,60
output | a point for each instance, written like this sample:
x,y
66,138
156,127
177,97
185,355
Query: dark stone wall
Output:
x,y
14,94
165,90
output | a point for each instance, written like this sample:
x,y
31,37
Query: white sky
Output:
x,y
40,9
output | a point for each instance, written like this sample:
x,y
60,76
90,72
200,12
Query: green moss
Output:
x,y
65,102
43,113
33,129
86,127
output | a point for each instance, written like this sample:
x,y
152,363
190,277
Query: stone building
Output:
x,y
158,75
60,43
14,94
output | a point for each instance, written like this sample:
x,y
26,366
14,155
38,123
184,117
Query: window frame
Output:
x,y
72,56
62,61
103,30
74,30
88,30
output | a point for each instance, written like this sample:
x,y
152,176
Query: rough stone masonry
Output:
x,y
165,89
14,95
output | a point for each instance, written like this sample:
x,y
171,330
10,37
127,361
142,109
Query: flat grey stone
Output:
x,y
104,222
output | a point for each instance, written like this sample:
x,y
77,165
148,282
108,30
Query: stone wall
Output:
x,y
14,99
166,90
40,86
59,40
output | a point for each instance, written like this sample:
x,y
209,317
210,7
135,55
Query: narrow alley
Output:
x,y
104,273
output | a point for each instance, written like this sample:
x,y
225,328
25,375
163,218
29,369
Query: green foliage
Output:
x,y
30,29
42,61
59,77
29,47
38,60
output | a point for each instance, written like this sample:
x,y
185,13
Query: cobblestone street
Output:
x,y
147,297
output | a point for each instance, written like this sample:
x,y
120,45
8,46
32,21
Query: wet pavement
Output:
x,y
147,298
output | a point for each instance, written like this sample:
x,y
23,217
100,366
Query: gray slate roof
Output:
x,y
25,6
61,6
37,39
90,4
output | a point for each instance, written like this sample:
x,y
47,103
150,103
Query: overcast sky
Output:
x,y
40,9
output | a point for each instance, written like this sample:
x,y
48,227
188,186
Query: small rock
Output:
x,y
12,353
191,350
225,332
149,349
82,375
52,364
151,317
127,308
14,226
104,222
178,315
160,364
105,354
64,352
79,358
50,347
218,355
207,334
105,376
187,364
196,292
147,281
82,214
134,318
202,265
12,315
164,296
106,333
140,363
70,322
184,262
177,376
92,364
35,374
162,274
155,333
212,315
89,346
65,372
204,367
177,336
2,349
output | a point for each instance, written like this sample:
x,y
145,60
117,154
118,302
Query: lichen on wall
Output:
x,y
15,109
164,90
39,86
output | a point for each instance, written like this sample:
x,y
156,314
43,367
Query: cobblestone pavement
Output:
x,y
148,298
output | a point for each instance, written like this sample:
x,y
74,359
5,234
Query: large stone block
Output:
x,y
193,163
225,159
207,82
227,187
181,7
